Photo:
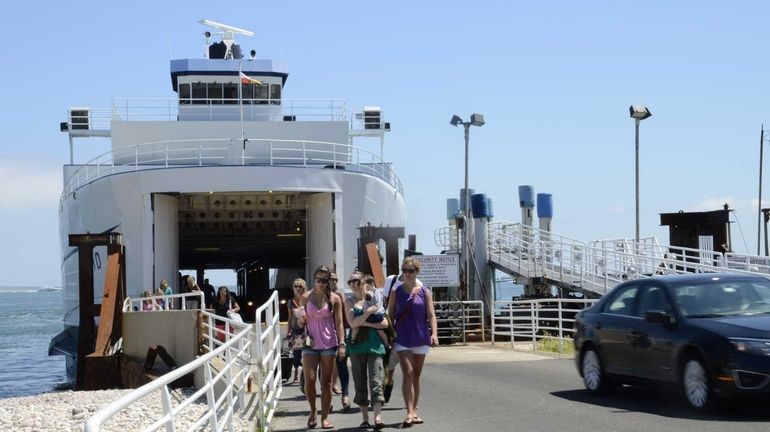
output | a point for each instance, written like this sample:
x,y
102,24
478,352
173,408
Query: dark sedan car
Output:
x,y
707,333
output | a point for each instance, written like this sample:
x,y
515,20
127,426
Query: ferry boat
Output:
x,y
226,175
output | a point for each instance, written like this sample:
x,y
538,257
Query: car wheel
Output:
x,y
594,377
697,385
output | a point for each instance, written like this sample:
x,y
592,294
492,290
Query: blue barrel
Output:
x,y
452,207
526,196
489,208
544,205
462,197
479,205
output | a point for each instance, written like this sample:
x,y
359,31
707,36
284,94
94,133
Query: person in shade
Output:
x,y
366,355
298,287
411,308
323,323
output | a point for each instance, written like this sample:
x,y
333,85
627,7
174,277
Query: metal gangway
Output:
x,y
595,267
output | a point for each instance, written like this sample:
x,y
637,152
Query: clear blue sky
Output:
x,y
553,79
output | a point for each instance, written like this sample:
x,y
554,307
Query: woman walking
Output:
x,y
366,356
411,311
222,304
323,323
295,310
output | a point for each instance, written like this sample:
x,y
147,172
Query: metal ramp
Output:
x,y
595,267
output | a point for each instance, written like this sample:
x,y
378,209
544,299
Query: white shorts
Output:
x,y
421,349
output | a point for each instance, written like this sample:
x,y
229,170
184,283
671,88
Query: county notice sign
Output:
x,y
439,270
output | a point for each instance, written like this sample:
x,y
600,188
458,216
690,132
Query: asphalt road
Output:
x,y
485,388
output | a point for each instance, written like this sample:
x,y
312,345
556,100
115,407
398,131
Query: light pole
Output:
x,y
476,120
638,113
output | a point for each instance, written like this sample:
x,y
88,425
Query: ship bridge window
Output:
x,y
275,94
215,93
199,93
231,93
184,94
261,94
248,93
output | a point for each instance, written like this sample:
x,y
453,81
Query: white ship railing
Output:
x,y
165,302
458,319
236,353
211,109
597,266
232,152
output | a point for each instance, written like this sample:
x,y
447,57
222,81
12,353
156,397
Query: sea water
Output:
x,y
29,318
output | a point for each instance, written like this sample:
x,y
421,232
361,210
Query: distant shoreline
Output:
x,y
27,289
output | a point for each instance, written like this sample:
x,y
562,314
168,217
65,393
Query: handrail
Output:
x,y
130,303
232,152
237,345
228,365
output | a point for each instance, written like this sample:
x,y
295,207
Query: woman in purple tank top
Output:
x,y
323,322
415,322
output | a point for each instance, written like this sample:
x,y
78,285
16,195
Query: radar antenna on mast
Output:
x,y
227,33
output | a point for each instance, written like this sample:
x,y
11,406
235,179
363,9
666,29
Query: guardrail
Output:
x,y
457,319
163,302
267,353
532,321
234,353
232,152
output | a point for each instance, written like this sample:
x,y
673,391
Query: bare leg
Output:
x,y
407,386
417,364
309,368
327,365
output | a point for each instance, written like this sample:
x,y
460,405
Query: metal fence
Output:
x,y
527,323
456,320
235,354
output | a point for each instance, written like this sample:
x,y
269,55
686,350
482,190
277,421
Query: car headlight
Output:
x,y
753,346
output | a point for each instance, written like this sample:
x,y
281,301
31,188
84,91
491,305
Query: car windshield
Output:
x,y
719,297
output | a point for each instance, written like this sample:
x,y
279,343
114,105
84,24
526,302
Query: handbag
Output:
x,y
234,316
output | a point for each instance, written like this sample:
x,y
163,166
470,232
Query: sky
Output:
x,y
554,81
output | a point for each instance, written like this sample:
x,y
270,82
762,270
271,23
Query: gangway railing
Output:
x,y
458,319
235,354
597,266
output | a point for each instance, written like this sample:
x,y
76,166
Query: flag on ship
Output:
x,y
245,79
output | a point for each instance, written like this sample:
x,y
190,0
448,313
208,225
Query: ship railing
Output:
x,y
597,266
232,152
266,361
184,301
225,368
537,324
456,320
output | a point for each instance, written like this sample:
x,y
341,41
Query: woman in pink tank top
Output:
x,y
323,322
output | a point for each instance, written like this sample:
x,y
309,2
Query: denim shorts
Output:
x,y
319,352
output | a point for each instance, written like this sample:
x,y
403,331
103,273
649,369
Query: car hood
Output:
x,y
741,325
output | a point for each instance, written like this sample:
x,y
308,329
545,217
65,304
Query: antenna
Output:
x,y
227,33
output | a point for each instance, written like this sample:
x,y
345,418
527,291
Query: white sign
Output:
x,y
439,270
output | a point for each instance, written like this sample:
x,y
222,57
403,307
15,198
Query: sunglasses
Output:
x,y
298,286
354,281
321,280
409,270
333,279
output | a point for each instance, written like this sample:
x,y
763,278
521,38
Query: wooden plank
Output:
x,y
86,326
374,263
109,306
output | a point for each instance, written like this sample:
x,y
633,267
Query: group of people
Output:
x,y
334,327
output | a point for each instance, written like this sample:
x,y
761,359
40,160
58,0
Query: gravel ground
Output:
x,y
69,410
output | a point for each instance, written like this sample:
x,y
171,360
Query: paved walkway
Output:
x,y
293,408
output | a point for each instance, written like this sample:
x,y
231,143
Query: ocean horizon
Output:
x,y
29,317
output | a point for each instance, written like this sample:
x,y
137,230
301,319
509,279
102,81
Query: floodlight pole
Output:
x,y
467,127
636,237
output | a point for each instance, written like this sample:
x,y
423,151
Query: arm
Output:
x,y
431,317
235,307
360,321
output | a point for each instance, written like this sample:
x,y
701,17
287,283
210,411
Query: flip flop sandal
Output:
x,y
325,424
417,420
379,425
364,425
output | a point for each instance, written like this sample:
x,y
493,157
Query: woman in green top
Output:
x,y
366,356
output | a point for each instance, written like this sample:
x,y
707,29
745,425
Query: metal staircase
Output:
x,y
595,267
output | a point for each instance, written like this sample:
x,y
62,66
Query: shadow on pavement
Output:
x,y
671,404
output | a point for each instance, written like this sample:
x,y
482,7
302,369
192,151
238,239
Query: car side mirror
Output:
x,y
657,316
